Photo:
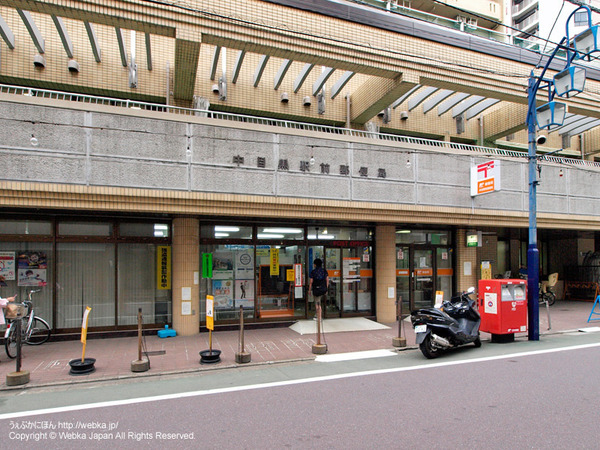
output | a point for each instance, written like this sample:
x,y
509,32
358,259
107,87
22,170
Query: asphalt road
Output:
x,y
521,395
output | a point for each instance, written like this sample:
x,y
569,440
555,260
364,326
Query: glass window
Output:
x,y
275,291
138,286
85,229
85,277
280,233
434,237
340,233
28,266
25,227
225,232
144,229
232,281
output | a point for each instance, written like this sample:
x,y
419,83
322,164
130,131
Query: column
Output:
x,y
466,263
186,266
385,278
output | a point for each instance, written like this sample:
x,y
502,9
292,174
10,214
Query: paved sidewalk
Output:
x,y
48,364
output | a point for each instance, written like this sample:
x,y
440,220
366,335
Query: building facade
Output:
x,y
175,168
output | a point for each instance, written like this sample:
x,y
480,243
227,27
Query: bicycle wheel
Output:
x,y
550,298
40,332
10,342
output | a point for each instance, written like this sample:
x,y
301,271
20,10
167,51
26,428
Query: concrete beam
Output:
x,y
377,94
187,54
504,121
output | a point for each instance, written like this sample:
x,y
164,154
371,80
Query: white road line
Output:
x,y
335,357
286,383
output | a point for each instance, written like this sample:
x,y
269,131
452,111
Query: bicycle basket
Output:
x,y
15,310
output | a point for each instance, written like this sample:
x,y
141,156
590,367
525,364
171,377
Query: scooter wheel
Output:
x,y
477,342
428,348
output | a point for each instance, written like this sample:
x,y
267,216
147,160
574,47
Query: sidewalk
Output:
x,y
48,364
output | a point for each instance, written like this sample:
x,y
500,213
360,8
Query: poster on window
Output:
x,y
32,269
223,293
7,265
222,265
244,264
244,293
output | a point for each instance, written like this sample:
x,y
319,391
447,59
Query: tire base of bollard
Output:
x,y
17,378
210,356
79,367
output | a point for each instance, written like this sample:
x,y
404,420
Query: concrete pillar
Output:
x,y
466,261
385,251
186,265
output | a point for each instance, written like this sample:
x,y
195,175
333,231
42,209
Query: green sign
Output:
x,y
207,265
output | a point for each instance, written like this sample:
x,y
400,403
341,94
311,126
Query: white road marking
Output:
x,y
335,357
286,383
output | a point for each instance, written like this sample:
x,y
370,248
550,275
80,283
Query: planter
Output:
x,y
210,356
79,367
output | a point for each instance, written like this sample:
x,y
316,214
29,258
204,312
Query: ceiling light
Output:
x,y
269,236
225,228
283,230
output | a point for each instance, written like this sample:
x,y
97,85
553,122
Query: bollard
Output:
x,y
318,348
399,341
242,356
18,377
140,365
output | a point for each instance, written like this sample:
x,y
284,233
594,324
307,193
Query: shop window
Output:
x,y
141,229
225,232
231,280
25,227
28,266
280,233
139,286
340,233
85,277
85,229
433,237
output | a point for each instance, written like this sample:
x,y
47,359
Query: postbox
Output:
x,y
503,308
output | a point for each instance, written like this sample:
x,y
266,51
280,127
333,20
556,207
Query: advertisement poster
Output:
x,y
32,269
244,264
7,265
222,266
223,293
244,293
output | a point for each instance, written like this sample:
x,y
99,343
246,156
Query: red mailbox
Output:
x,y
503,308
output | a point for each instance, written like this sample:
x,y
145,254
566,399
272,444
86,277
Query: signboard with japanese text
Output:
x,y
163,267
485,178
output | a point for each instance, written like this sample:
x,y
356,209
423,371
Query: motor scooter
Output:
x,y
456,323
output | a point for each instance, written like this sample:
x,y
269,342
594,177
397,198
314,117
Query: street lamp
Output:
x,y
567,83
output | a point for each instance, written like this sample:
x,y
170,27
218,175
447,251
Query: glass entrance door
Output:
x,y
423,278
333,264
403,278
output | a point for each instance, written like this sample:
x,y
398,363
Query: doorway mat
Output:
x,y
337,325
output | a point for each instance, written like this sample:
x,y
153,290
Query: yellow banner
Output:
x,y
163,267
84,324
210,312
274,261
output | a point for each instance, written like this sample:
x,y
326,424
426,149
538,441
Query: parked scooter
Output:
x,y
456,323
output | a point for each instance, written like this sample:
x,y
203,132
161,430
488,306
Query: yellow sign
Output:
x,y
274,261
84,324
290,275
486,270
210,312
163,267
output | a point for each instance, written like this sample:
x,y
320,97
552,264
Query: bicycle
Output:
x,y
546,293
34,329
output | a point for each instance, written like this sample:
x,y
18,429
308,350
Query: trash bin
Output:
x,y
503,308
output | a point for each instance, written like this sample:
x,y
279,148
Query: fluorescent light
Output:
x,y
269,236
403,232
158,226
283,230
231,229
221,234
322,237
